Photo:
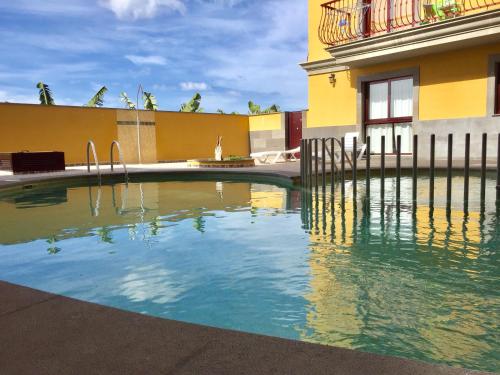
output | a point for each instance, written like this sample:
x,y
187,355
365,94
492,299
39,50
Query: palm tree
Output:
x,y
98,99
150,102
128,103
192,105
254,109
45,94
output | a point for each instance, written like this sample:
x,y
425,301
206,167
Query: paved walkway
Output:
x,y
46,334
288,172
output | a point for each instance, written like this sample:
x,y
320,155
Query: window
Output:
x,y
390,100
497,89
389,112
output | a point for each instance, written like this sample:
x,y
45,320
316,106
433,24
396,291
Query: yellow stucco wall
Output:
x,y
329,105
57,128
452,85
316,48
165,136
273,121
181,136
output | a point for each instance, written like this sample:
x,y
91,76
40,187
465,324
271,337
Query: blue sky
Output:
x,y
230,51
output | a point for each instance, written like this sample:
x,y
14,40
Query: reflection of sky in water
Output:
x,y
420,284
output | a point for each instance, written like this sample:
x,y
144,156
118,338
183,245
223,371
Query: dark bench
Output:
x,y
32,162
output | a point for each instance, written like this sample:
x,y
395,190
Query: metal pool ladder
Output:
x,y
120,156
90,145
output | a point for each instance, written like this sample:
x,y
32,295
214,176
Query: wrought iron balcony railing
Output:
x,y
347,20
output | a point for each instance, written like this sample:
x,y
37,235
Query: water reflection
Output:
x,y
389,277
413,279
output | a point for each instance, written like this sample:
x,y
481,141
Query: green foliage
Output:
x,y
199,224
53,249
254,109
125,99
150,102
45,94
155,226
193,105
235,158
272,109
220,111
98,99
104,234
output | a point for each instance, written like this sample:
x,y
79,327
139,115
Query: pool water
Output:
x,y
413,282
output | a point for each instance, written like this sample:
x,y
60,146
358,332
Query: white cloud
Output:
x,y
160,87
136,9
146,60
49,7
189,86
153,284
270,72
15,97
230,3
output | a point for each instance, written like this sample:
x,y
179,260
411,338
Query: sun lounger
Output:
x,y
265,155
349,143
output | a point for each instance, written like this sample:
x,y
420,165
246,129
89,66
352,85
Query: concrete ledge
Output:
x,y
49,334
284,174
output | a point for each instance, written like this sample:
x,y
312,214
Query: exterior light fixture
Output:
x,y
332,79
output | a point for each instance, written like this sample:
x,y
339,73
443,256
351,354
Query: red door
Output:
x,y
294,126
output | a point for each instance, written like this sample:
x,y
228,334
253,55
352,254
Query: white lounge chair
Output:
x,y
348,145
265,155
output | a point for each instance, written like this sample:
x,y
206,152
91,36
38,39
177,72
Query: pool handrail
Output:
x,y
90,144
120,157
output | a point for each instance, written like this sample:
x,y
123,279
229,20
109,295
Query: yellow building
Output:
x,y
381,67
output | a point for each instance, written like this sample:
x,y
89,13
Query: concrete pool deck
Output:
x,y
44,333
288,172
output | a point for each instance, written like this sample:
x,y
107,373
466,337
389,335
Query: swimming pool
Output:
x,y
416,282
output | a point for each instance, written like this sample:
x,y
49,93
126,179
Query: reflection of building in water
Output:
x,y
400,283
268,197
79,210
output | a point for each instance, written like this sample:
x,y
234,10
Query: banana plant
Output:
x,y
254,109
221,112
150,102
98,99
272,109
192,105
125,99
45,94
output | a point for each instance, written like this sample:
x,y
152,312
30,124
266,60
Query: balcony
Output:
x,y
360,32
